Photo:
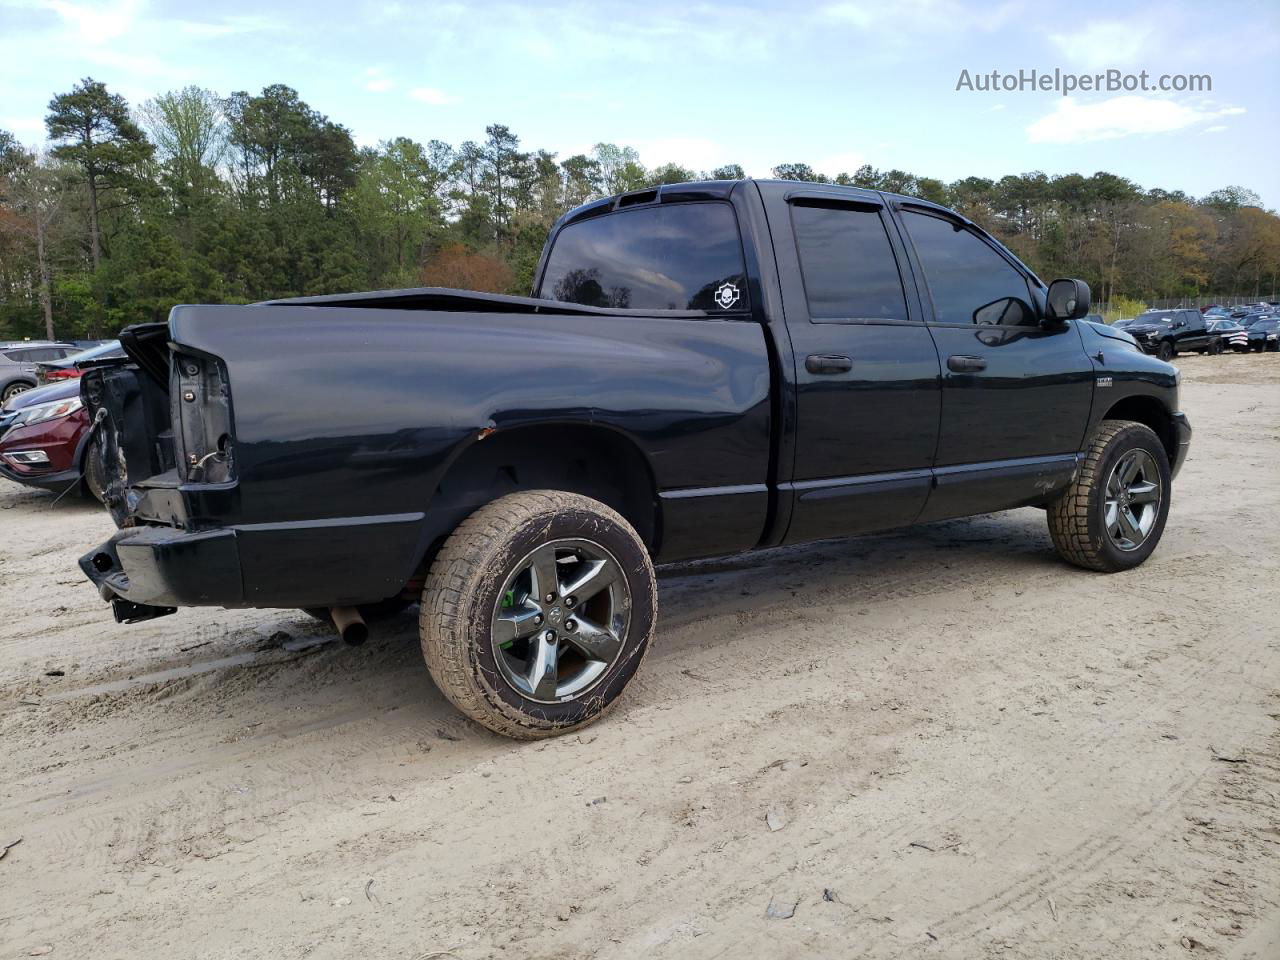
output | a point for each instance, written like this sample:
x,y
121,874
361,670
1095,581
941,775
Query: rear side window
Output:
x,y
678,256
849,268
968,281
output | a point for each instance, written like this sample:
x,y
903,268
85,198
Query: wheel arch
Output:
x,y
592,459
1151,412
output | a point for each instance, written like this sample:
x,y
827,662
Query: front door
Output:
x,y
866,370
1016,395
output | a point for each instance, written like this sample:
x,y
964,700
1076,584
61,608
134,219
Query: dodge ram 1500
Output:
x,y
703,369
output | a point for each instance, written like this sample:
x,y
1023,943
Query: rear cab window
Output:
x,y
662,256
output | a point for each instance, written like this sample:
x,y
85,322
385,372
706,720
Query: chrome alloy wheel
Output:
x,y
560,620
1133,499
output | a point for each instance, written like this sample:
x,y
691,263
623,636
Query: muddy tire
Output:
x,y
1112,516
537,612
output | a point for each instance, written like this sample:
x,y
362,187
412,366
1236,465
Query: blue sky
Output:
x,y
831,84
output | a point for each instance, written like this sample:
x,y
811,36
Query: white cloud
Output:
x,y
377,81
1216,128
940,15
231,26
1074,122
97,24
437,98
1106,43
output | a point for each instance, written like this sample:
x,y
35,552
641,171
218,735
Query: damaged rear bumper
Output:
x,y
147,572
318,563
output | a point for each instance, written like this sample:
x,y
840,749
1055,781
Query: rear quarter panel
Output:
x,y
344,412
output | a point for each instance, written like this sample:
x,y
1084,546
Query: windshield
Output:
x,y
1165,318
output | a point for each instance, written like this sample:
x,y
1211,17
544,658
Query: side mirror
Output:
x,y
1067,300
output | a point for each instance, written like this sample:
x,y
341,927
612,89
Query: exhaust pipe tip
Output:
x,y
351,626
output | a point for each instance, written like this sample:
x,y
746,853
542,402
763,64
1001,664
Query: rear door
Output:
x,y
867,379
1193,334
1016,395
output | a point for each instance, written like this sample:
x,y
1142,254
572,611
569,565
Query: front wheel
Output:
x,y
1113,514
537,612
1166,351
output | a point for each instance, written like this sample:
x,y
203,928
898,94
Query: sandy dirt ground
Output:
x,y
968,749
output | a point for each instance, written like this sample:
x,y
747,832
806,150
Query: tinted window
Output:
x,y
968,280
848,266
679,256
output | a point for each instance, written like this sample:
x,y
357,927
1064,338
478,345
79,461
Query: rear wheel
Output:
x,y
537,612
1216,347
1112,516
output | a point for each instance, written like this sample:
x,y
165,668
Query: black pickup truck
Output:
x,y
1166,333
704,368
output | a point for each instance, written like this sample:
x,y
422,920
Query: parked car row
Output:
x,y
1166,333
45,435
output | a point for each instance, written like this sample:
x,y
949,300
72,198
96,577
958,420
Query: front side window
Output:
x,y
968,280
678,256
849,268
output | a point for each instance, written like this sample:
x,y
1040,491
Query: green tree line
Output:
x,y
197,197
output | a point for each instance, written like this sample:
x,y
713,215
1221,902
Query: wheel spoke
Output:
x,y
594,641
1112,518
516,622
1144,492
595,576
1129,525
543,668
546,579
1129,469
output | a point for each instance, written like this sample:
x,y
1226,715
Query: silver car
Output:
x,y
18,363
